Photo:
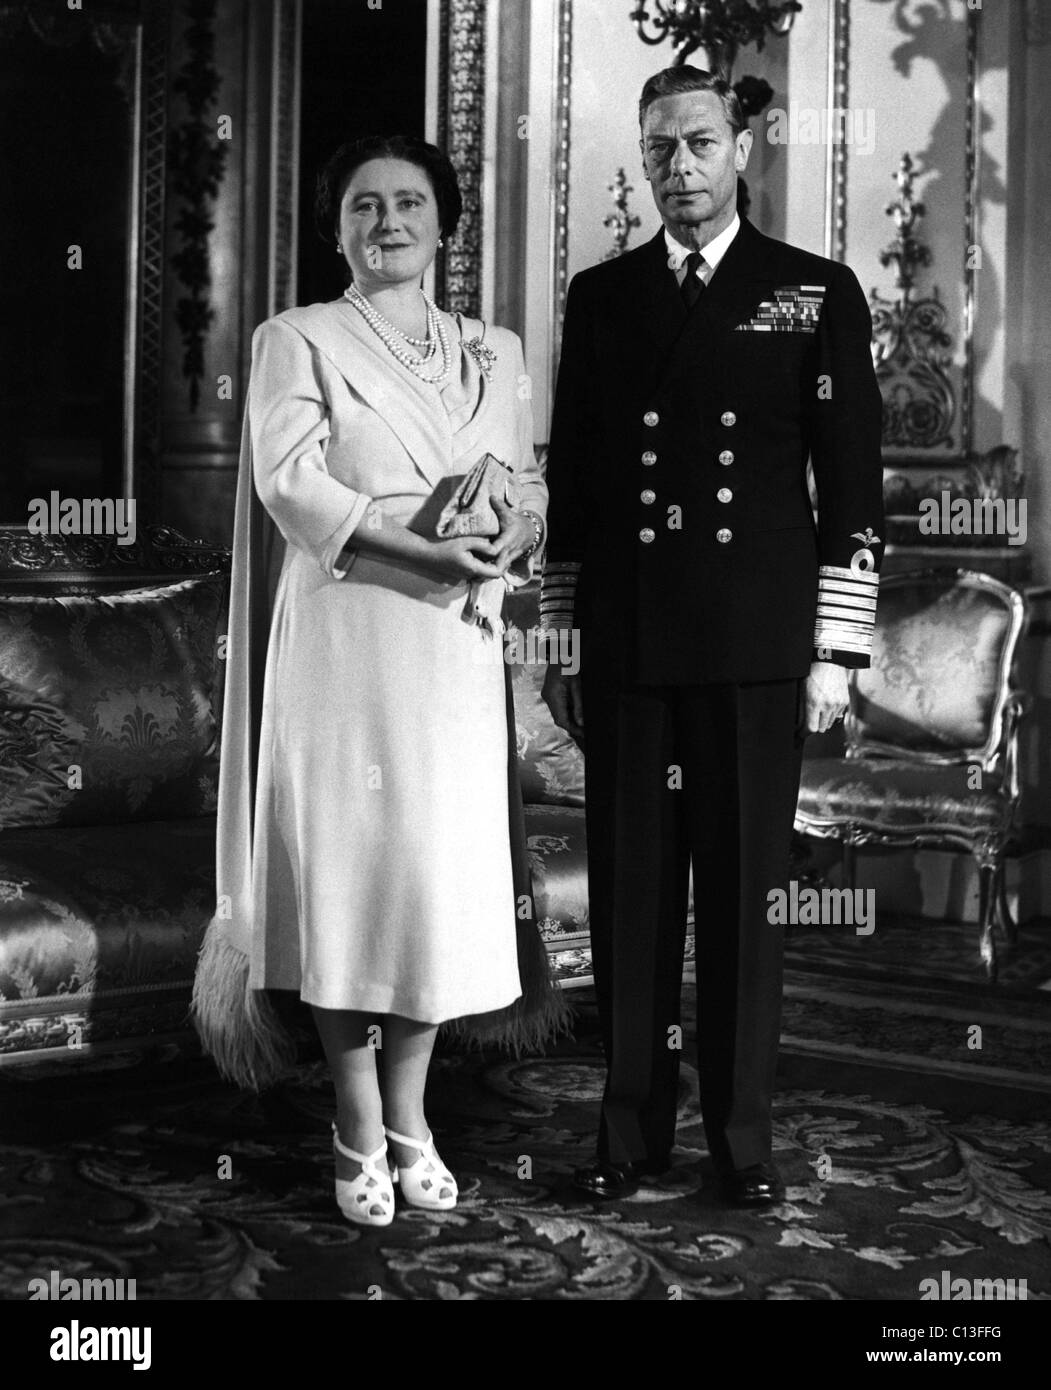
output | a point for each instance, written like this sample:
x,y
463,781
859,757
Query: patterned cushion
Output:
x,y
122,686
558,859
557,840
935,665
551,766
94,916
903,797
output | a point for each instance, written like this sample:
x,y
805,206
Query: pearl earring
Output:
x,y
441,242
339,248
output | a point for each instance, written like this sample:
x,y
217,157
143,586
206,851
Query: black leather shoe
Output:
x,y
757,1186
608,1181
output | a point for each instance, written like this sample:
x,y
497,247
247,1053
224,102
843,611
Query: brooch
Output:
x,y
483,354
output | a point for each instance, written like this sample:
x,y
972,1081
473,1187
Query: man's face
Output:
x,y
691,160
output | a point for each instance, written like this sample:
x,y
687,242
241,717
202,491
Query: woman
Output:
x,y
370,869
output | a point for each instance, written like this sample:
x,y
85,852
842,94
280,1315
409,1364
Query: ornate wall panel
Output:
x,y
461,128
284,160
916,68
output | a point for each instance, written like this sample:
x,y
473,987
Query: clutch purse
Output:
x,y
470,511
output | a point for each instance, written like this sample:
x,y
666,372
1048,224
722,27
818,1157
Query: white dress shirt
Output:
x,y
712,253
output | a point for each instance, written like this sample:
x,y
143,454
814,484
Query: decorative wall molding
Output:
x,y
284,155
560,142
971,170
197,161
149,299
836,157
461,129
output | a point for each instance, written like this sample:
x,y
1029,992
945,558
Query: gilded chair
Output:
x,y
931,734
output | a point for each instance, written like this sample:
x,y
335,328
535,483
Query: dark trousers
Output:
x,y
708,772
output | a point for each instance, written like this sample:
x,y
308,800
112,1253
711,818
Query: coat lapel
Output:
x,y
412,408
741,280
734,289
663,324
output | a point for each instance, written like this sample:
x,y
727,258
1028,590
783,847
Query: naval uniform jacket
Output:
x,y
682,542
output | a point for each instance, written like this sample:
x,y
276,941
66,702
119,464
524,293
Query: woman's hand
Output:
x,y
465,557
516,534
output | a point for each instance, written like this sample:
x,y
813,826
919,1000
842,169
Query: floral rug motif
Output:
x,y
168,1176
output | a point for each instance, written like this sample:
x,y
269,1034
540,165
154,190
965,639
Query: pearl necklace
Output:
x,y
388,335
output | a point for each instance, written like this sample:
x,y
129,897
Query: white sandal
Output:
x,y
422,1182
356,1197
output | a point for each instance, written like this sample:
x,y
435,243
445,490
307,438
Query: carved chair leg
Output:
x,y
986,903
1006,922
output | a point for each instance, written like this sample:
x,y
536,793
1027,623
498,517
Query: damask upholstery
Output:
x,y
936,668
100,927
124,687
559,863
110,669
550,765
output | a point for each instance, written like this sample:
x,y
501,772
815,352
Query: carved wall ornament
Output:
x,y
910,341
620,221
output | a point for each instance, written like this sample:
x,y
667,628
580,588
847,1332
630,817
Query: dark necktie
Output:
x,y
692,288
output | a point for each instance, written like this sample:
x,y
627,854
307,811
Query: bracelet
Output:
x,y
538,534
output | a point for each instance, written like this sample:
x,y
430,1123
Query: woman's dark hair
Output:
x,y
340,168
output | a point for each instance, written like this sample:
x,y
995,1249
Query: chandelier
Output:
x,y
720,27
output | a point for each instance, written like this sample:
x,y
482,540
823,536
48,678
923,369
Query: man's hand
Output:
x,y
826,696
564,697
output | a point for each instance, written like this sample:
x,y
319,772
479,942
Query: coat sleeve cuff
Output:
x,y
558,592
339,554
846,615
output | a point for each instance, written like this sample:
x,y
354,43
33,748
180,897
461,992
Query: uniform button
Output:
x,y
649,458
648,496
724,494
727,417
651,418
647,534
723,535
726,456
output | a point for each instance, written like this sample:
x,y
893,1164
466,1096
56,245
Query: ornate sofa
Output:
x,y
110,707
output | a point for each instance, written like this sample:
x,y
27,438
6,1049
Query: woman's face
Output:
x,y
388,223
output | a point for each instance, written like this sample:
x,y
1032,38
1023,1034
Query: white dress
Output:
x,y
381,870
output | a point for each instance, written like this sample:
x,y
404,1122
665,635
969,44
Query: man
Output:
x,y
698,374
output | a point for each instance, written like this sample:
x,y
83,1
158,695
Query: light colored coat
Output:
x,y
333,425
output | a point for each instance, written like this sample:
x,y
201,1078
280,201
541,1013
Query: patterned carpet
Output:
x,y
905,1151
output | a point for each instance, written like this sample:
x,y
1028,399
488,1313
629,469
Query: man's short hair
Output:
x,y
672,81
